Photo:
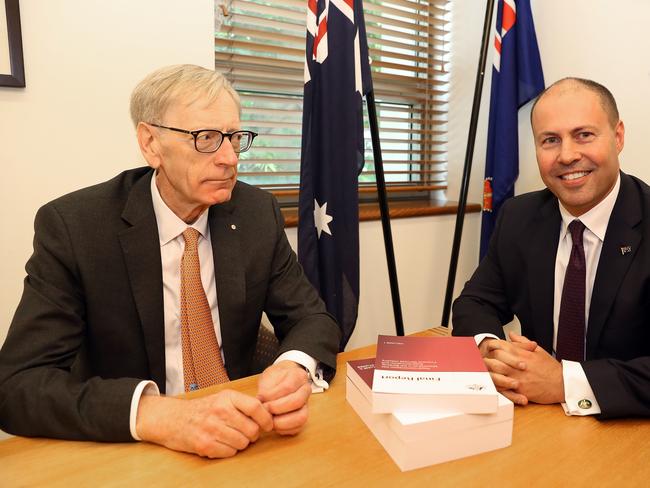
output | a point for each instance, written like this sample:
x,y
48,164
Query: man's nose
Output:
x,y
226,153
568,152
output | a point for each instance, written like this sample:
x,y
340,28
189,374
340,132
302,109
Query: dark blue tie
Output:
x,y
571,326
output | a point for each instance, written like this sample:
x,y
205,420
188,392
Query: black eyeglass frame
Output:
x,y
195,134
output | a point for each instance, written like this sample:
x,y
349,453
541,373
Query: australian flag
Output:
x,y
517,78
337,76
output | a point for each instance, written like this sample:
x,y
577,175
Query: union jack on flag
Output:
x,y
337,76
517,78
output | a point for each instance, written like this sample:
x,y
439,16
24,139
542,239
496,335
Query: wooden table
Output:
x,y
336,449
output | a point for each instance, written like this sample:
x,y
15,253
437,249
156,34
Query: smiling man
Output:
x,y
154,283
572,263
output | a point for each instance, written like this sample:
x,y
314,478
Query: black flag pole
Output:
x,y
385,217
467,169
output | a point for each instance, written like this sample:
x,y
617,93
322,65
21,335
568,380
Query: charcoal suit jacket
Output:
x,y
90,323
516,277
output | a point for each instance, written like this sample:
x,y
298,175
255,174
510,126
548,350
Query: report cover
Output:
x,y
361,373
427,374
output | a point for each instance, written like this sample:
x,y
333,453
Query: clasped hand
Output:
x,y
221,424
522,370
284,390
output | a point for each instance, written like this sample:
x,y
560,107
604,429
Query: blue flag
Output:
x,y
337,76
517,78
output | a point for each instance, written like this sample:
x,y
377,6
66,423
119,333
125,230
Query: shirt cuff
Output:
x,y
578,396
318,384
479,338
143,388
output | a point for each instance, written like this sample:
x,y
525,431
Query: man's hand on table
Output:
x,y
523,371
221,424
284,390
215,426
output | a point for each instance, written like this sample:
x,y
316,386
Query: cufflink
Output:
x,y
584,404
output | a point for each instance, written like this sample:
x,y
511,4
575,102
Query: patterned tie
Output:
x,y
571,327
202,363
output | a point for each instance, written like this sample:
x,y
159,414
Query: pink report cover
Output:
x,y
431,374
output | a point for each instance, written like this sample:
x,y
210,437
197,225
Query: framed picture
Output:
x,y
12,70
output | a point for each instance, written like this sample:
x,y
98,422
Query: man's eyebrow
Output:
x,y
584,127
547,133
580,128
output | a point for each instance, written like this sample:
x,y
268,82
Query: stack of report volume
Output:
x,y
429,400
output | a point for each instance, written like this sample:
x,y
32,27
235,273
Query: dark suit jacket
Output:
x,y
517,277
89,325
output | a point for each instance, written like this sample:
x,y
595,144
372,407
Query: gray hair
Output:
x,y
153,96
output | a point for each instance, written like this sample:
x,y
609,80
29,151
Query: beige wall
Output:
x,y
82,59
422,258
597,39
69,128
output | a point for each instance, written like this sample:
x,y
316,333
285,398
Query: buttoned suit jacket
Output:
x,y
516,278
90,323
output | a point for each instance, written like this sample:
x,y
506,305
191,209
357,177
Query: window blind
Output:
x,y
260,47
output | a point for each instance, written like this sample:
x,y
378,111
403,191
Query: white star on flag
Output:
x,y
321,219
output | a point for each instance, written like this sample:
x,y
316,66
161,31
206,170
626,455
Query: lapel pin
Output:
x,y
234,227
625,250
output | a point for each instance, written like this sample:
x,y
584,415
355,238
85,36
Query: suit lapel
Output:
x,y
141,249
622,232
230,277
542,249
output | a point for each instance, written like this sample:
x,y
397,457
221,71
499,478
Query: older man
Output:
x,y
155,282
572,262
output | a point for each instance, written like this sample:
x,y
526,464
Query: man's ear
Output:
x,y
149,144
619,134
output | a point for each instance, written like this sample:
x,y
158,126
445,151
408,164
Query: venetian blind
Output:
x,y
260,47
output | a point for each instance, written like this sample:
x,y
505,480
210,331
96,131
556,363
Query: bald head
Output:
x,y
605,97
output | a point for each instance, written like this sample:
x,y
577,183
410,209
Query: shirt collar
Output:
x,y
597,218
170,226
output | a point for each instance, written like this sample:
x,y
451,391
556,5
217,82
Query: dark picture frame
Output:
x,y
15,43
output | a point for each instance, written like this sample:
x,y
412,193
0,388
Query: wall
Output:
x,y
422,258
69,128
586,38
605,41
595,39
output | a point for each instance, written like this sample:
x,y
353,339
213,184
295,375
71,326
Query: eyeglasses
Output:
x,y
209,140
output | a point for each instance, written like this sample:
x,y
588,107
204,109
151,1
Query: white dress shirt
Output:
x,y
576,385
172,245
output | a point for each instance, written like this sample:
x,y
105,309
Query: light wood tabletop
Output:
x,y
336,449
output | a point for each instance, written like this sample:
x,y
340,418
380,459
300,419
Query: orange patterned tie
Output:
x,y
202,363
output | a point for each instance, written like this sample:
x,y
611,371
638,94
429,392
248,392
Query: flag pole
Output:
x,y
385,217
467,169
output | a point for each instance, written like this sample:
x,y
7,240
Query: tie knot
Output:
x,y
191,236
576,228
